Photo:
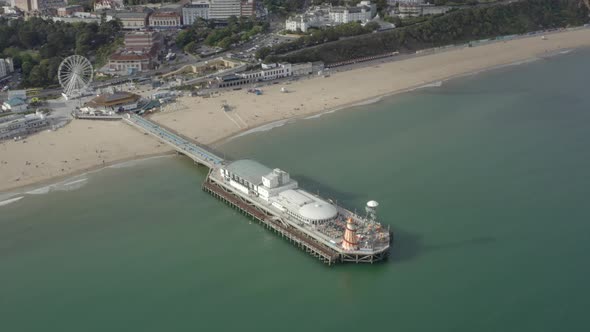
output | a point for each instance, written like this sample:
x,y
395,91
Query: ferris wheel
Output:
x,y
74,75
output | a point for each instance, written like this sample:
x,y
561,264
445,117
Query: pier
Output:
x,y
326,255
197,153
324,230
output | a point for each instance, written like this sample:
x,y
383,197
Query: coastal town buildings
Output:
x,y
15,105
145,41
108,4
69,10
269,72
328,15
133,20
126,62
6,67
405,2
248,8
266,73
139,53
164,20
24,5
22,125
363,12
46,5
194,10
414,10
116,102
223,9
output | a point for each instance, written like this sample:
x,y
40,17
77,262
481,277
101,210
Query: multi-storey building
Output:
x,y
163,20
6,67
194,10
142,41
248,8
421,10
326,15
69,10
130,62
20,125
132,20
45,5
108,4
223,9
363,12
24,5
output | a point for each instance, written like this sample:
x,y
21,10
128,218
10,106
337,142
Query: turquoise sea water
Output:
x,y
485,180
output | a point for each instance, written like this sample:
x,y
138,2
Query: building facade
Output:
x,y
280,71
248,8
69,10
327,15
130,62
223,9
191,12
45,5
133,20
363,12
23,125
6,67
144,42
107,4
24,5
164,20
14,104
118,101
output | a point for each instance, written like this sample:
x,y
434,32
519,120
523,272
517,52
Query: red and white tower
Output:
x,y
349,241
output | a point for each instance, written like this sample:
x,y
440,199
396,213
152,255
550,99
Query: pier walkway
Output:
x,y
303,241
195,152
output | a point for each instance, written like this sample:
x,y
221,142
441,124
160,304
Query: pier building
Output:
x,y
323,229
350,237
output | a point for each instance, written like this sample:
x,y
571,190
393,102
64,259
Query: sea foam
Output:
x,y
11,200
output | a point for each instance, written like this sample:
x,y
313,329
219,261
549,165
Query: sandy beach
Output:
x,y
85,145
80,146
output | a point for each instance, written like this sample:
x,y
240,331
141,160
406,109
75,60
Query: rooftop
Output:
x,y
111,99
307,205
165,14
129,56
249,170
15,101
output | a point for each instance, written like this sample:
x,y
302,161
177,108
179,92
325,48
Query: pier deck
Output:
x,y
304,237
192,150
311,246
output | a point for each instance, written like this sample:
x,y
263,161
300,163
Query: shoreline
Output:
x,y
23,189
379,98
201,120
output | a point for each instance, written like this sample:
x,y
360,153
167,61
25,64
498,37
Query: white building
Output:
x,y
363,12
9,10
194,10
278,71
6,67
315,19
410,10
277,188
107,4
326,15
223,9
23,125
14,104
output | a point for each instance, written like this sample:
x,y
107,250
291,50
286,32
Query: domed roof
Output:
x,y
318,211
372,204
